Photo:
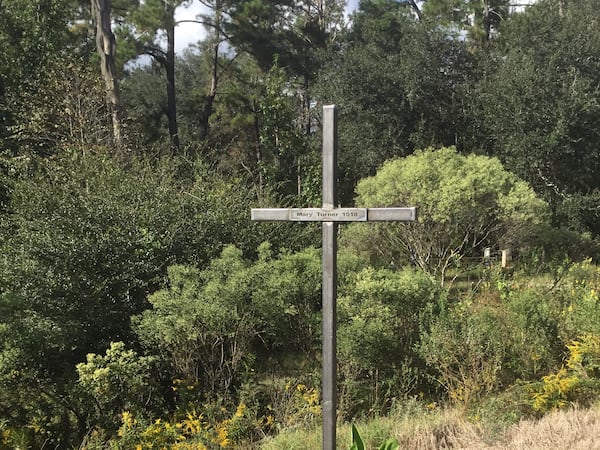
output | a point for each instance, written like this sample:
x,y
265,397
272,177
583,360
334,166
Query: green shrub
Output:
x,y
580,297
503,333
119,381
533,325
210,326
466,348
381,316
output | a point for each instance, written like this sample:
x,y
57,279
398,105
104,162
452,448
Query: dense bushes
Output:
x,y
400,336
225,336
516,331
489,341
84,239
126,315
382,314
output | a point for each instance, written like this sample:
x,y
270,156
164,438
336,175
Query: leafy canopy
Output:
x,y
464,203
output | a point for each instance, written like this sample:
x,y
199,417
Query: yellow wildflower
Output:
x,y
239,412
223,434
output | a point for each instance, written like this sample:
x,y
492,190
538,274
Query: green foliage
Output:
x,y
533,321
396,83
88,234
465,203
119,381
146,113
551,250
282,146
287,293
466,348
381,312
209,325
358,444
537,106
579,212
584,356
502,334
38,50
381,316
201,325
580,303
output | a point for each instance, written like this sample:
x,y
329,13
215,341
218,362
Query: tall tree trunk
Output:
x,y
171,97
209,99
258,152
106,47
487,22
214,75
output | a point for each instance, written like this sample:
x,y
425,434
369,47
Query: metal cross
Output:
x,y
330,216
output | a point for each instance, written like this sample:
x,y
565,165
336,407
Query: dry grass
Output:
x,y
575,429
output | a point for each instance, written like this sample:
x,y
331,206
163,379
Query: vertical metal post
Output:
x,y
329,156
329,278
330,211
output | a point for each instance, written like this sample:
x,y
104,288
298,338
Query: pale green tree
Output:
x,y
465,203
118,381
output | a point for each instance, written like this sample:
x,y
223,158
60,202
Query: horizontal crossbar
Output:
x,y
335,215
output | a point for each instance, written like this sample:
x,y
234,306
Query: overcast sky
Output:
x,y
190,33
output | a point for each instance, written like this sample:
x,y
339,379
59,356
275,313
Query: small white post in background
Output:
x,y
506,258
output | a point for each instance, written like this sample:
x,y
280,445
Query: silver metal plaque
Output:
x,y
328,215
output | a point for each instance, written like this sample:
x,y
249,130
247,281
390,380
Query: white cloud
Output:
x,y
188,33
351,6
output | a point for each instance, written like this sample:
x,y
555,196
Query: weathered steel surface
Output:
x,y
392,214
270,214
336,214
329,278
329,156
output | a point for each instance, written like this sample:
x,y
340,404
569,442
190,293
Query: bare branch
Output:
x,y
416,8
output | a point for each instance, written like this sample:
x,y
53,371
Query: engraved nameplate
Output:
x,y
328,215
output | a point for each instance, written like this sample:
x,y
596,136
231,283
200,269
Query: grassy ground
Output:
x,y
571,429
494,424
